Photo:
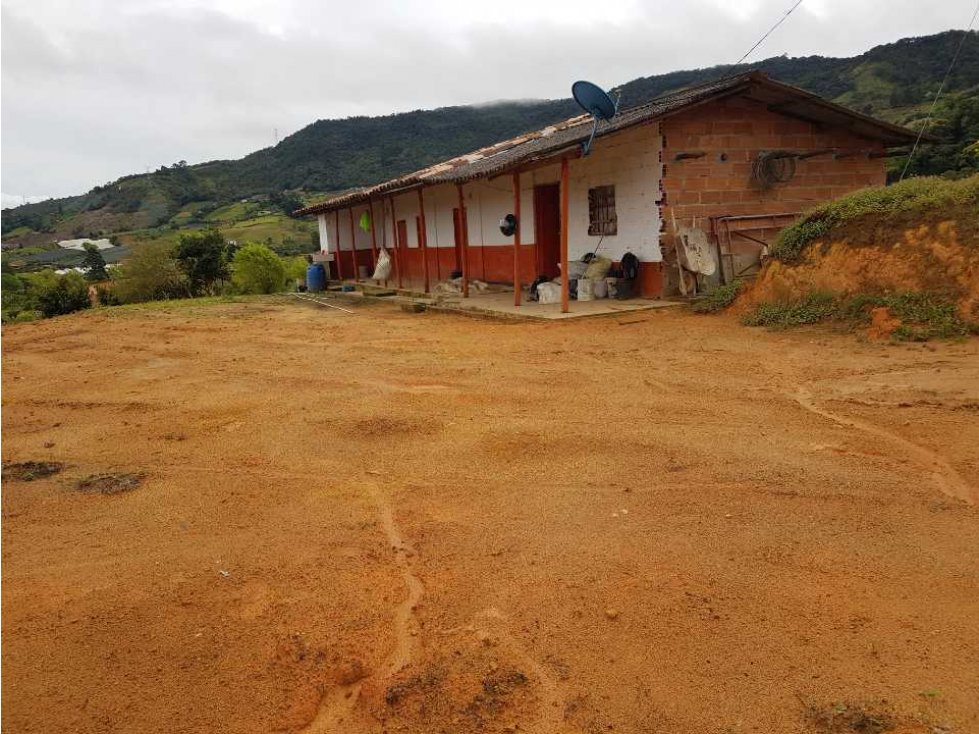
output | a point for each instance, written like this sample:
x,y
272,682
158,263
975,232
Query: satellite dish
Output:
x,y
596,102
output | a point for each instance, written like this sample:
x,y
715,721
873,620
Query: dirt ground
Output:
x,y
393,522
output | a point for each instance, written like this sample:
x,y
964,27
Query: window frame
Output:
x,y
602,218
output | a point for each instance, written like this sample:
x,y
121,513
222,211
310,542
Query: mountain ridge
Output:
x,y
893,81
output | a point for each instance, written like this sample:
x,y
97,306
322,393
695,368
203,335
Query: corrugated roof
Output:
x,y
555,139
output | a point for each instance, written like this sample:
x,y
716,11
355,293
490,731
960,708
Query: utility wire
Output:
x,y
770,31
941,88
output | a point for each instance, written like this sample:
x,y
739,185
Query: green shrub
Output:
x,y
56,295
719,298
256,269
905,202
107,296
151,273
13,294
295,269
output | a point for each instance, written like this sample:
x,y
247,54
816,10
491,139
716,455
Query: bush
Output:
x,y
150,274
256,269
295,269
907,202
56,295
13,294
719,298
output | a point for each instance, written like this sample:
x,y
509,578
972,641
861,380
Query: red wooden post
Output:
x,y
397,244
353,243
464,229
370,207
565,282
423,236
516,240
336,222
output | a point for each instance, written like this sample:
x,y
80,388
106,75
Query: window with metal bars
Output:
x,y
601,211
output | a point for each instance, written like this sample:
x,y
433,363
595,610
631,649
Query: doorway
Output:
x,y
547,229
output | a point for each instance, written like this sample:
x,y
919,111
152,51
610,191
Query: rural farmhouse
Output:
x,y
731,161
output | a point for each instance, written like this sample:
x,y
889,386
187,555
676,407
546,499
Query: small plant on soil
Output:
x,y
719,298
28,471
843,718
109,483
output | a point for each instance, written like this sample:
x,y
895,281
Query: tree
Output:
x,y
258,270
95,263
203,257
151,273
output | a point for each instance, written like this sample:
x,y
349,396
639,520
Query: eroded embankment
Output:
x,y
930,258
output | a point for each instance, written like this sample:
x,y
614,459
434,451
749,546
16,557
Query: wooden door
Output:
x,y
547,229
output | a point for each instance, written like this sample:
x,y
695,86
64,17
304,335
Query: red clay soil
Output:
x,y
930,257
391,522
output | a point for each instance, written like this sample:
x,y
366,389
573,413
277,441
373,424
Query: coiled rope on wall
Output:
x,y
772,167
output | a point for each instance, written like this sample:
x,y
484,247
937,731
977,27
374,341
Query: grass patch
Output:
x,y
719,298
847,718
812,309
914,201
28,471
923,316
110,483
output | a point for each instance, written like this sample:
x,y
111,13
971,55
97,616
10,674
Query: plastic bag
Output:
x,y
598,268
383,269
549,293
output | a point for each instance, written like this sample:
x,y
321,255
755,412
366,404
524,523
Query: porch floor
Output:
x,y
501,304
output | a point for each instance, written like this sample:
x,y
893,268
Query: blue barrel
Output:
x,y
316,277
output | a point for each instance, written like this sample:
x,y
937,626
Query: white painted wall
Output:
x,y
630,161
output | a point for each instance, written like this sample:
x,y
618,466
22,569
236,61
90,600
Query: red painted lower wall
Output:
x,y
492,263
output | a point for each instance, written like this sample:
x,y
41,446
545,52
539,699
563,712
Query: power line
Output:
x,y
770,30
941,88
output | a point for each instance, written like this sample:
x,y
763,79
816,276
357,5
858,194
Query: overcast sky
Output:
x,y
96,89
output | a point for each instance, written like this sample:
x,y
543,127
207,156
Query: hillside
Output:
x,y
895,81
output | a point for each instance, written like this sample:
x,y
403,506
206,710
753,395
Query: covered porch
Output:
x,y
445,227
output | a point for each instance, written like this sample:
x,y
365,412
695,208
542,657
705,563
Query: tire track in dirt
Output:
x,y
945,476
338,709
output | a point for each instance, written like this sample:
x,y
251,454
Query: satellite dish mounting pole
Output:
x,y
597,103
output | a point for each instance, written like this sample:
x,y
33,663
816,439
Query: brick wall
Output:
x,y
732,132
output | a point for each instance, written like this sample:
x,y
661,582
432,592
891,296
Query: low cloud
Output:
x,y
94,90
